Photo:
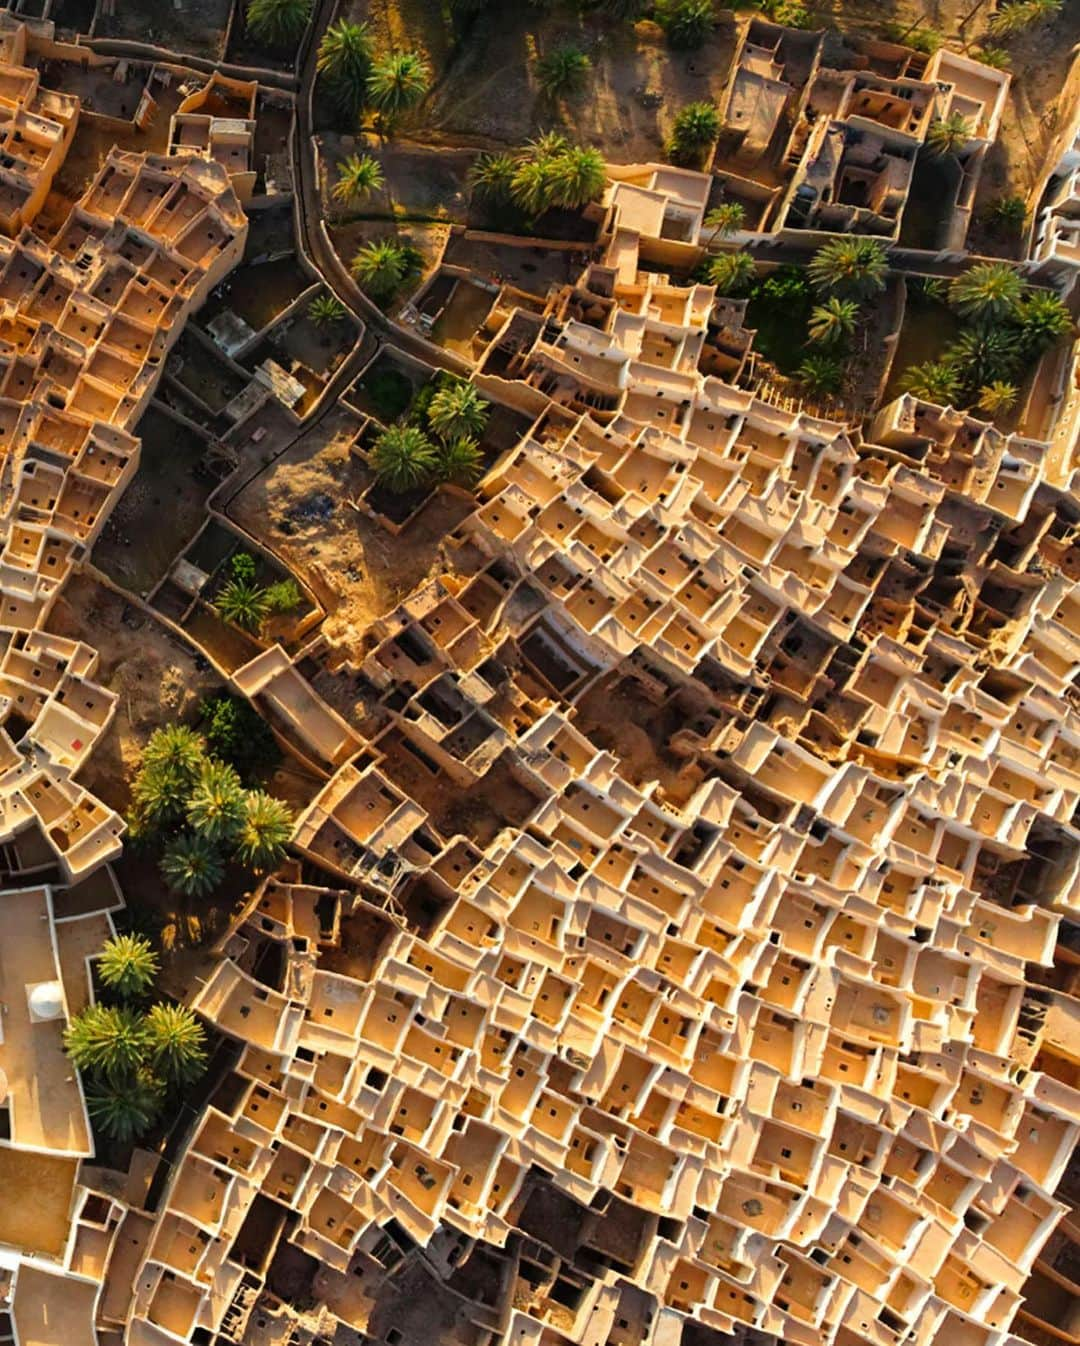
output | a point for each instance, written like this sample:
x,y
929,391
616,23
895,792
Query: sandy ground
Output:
x,y
422,182
155,676
357,569
626,106
349,235
159,681
485,91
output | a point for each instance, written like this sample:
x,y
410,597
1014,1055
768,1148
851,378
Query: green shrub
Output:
x,y
238,735
687,23
242,568
283,596
389,392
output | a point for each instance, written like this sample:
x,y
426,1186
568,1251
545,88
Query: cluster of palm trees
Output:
x,y
843,274
132,1056
358,78
407,457
195,807
547,172
1008,326
248,604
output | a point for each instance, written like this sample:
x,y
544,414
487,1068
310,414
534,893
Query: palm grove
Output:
x,y
439,443
134,1057
193,808
1005,323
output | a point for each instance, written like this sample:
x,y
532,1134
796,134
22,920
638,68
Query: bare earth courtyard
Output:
x,y
539,638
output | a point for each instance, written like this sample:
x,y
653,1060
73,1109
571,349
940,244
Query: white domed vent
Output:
x,y
46,1000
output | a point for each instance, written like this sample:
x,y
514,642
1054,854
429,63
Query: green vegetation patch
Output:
x,y
779,313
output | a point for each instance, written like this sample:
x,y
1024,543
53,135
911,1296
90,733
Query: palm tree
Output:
x,y
176,747
853,267
1009,19
128,965
403,458
383,265
934,381
932,287
727,218
732,272
491,177
192,866
562,71
948,135
820,373
106,1039
460,461
987,291
158,794
243,604
176,1042
1020,14
997,58
997,396
457,409
832,321
532,187
1042,321
358,176
345,59
397,82
1010,212
982,354
279,23
216,806
696,127
577,177
283,596
125,1109
264,830
687,23
326,309
548,145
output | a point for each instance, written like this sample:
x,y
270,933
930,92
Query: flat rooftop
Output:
x,y
35,1211
44,1099
53,1310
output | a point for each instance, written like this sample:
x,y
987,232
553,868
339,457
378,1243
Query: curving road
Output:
x,y
312,240
311,234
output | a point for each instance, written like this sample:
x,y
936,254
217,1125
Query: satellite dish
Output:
x,y
46,1000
